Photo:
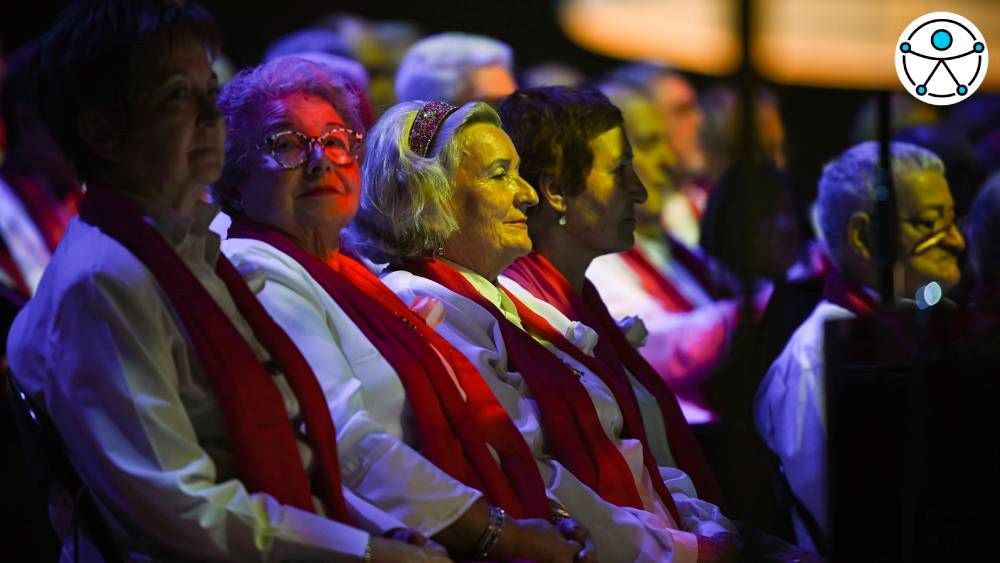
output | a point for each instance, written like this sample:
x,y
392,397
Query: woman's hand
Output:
x,y
385,550
540,541
572,530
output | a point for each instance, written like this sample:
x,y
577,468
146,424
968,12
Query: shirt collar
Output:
x,y
490,291
182,230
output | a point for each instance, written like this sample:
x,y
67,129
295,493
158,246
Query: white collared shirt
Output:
x,y
101,351
376,434
790,412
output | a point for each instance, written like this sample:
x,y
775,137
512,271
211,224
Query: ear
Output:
x,y
550,192
100,134
859,235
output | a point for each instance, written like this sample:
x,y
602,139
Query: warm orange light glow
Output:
x,y
692,35
831,43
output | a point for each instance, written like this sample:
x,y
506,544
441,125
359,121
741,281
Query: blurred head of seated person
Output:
x,y
983,231
720,134
456,68
790,404
444,203
180,403
292,182
751,223
38,186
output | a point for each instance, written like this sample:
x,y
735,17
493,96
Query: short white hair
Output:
x,y
847,185
440,67
983,232
405,208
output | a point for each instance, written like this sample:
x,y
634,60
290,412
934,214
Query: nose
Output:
x,y
635,187
954,240
208,112
317,163
526,196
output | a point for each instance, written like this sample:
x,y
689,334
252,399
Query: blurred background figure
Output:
x,y
551,74
379,46
983,234
720,107
677,101
38,187
456,68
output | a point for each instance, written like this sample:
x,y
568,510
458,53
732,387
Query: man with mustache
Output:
x,y
790,405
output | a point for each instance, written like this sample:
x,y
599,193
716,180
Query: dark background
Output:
x,y
818,121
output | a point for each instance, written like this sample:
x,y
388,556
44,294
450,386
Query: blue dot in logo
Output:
x,y
905,47
921,90
941,40
978,47
962,90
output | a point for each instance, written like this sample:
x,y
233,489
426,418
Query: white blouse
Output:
x,y
620,534
101,351
376,437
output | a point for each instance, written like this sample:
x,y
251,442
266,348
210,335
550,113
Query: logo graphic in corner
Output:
x,y
941,58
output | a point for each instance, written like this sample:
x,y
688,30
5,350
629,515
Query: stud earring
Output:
x,y
562,220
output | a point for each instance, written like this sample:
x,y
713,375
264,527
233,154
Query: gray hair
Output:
x,y
439,67
405,208
983,232
244,99
847,185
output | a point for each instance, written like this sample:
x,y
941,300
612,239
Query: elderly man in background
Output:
x,y
456,68
790,407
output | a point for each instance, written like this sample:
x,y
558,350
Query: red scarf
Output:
x,y
655,283
568,416
544,281
49,215
847,294
263,441
453,433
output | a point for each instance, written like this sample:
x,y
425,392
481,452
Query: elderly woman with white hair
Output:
x,y
789,406
417,427
456,68
444,205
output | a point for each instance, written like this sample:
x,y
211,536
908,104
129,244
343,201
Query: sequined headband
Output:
x,y
426,125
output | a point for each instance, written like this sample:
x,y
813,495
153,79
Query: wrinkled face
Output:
x,y
489,202
929,241
682,118
173,144
652,157
319,195
491,84
603,217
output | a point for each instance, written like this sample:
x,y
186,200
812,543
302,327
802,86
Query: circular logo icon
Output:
x,y
941,58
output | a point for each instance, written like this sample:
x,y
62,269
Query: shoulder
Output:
x,y
461,313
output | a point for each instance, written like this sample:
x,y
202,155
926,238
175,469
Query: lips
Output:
x,y
324,190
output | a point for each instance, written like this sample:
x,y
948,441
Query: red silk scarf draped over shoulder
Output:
x,y
453,433
539,277
567,413
260,430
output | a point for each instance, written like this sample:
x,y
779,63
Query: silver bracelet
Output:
x,y
491,536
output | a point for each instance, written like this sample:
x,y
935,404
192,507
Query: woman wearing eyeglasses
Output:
x,y
416,427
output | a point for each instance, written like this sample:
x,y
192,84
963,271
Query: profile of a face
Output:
x,y
682,118
652,157
929,240
317,195
603,216
171,144
489,203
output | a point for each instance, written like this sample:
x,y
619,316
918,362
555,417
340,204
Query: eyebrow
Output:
x,y
503,161
285,124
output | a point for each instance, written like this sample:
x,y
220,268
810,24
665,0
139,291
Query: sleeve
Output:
x,y
116,401
790,417
376,464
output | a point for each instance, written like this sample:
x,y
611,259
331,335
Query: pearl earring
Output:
x,y
562,220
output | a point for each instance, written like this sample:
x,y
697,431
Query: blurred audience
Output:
x,y
983,232
720,133
456,68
